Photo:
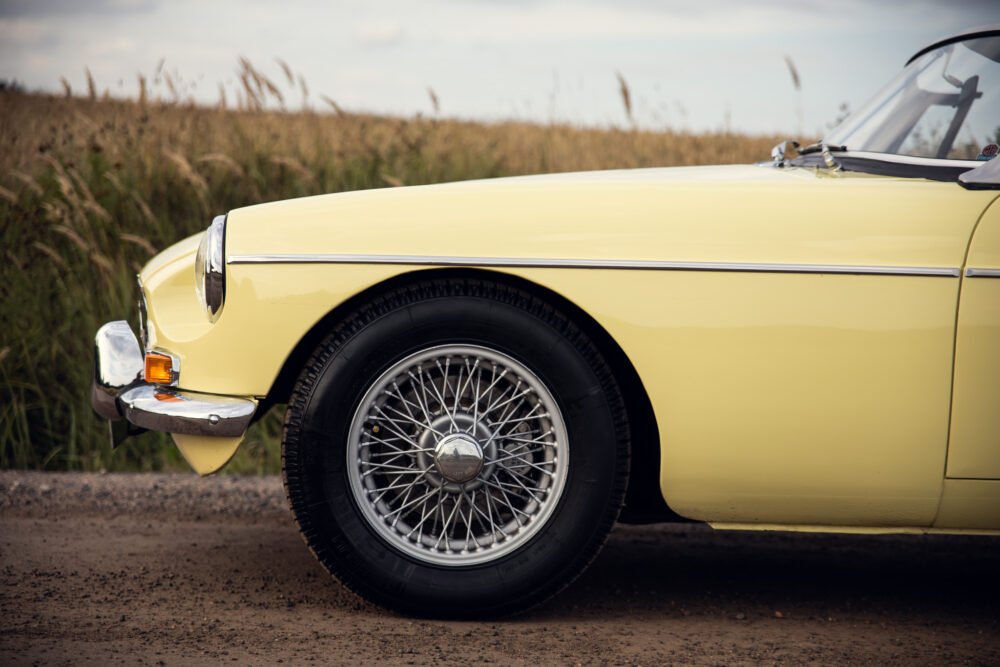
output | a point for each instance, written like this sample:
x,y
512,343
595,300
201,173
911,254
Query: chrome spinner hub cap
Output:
x,y
457,455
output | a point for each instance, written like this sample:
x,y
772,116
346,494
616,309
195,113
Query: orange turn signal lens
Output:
x,y
159,368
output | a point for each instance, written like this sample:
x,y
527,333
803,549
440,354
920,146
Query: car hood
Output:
x,y
727,213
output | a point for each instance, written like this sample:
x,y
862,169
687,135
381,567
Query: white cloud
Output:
x,y
534,59
24,33
117,46
378,33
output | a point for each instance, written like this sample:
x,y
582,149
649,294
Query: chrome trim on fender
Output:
x,y
143,313
169,410
210,268
982,273
625,264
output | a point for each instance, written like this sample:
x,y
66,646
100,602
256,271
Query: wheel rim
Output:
x,y
457,455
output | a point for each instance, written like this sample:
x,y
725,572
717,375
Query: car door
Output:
x,y
974,443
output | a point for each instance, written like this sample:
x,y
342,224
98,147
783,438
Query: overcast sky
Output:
x,y
690,65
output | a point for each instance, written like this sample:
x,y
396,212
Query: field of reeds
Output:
x,y
92,187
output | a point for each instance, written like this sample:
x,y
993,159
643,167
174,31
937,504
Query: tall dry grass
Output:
x,y
91,188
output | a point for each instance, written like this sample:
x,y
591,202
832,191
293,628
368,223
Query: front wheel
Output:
x,y
457,448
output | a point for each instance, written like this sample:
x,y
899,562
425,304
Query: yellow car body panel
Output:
x,y
974,449
807,398
790,399
206,454
694,214
969,504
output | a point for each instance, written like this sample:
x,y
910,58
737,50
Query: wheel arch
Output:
x,y
644,502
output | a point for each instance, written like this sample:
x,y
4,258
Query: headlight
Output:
x,y
210,268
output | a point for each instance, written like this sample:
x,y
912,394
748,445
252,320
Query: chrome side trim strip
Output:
x,y
982,273
624,264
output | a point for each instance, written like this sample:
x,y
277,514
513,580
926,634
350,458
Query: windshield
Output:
x,y
944,104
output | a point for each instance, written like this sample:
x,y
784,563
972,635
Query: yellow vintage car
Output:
x,y
480,376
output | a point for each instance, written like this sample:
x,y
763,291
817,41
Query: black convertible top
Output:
x,y
971,33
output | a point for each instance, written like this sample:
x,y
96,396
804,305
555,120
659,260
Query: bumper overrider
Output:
x,y
131,405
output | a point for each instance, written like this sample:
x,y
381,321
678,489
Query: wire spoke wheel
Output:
x,y
426,452
457,455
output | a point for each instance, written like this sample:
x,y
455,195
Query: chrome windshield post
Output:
x,y
779,154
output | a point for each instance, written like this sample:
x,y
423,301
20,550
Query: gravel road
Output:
x,y
177,570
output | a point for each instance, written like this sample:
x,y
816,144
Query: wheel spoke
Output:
x,y
374,467
537,440
510,457
401,436
444,528
392,487
499,399
457,390
408,418
374,438
494,528
525,488
478,514
468,520
475,398
468,379
409,503
507,489
511,506
530,416
406,403
417,396
528,464
444,406
512,399
407,452
424,515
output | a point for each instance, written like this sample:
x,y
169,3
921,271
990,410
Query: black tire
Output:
x,y
318,427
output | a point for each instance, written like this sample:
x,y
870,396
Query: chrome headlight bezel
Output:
x,y
210,268
143,314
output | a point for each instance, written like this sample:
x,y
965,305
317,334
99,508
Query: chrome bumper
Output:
x,y
131,406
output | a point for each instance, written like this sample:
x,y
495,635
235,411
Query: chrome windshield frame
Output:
x,y
883,127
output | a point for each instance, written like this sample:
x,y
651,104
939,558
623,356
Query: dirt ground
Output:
x,y
176,570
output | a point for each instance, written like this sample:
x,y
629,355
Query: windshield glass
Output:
x,y
945,104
